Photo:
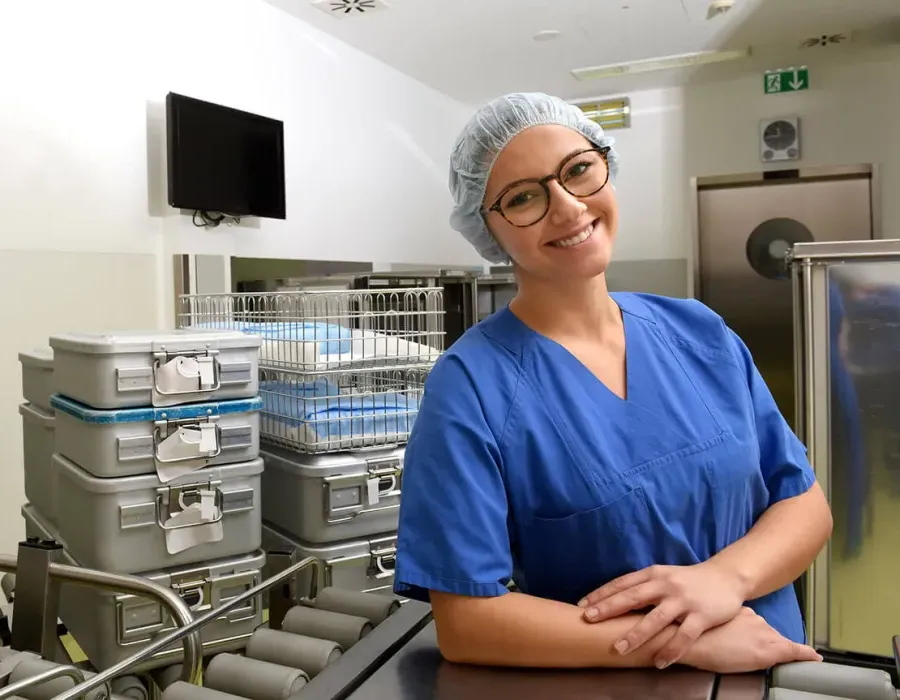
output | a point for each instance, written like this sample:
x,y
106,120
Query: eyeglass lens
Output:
x,y
581,175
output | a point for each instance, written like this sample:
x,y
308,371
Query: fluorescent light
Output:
x,y
608,113
654,64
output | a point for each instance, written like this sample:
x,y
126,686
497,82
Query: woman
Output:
x,y
608,453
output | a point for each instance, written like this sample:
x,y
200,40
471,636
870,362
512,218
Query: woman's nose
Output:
x,y
564,207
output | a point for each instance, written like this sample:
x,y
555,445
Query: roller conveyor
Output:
x,y
395,655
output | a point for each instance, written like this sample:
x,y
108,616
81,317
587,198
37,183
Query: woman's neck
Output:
x,y
581,309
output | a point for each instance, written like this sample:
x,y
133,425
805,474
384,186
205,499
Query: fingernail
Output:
x,y
662,664
621,646
592,613
582,603
821,658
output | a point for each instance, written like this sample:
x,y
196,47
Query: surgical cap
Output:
x,y
488,133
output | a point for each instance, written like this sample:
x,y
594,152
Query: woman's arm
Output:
x,y
780,546
520,630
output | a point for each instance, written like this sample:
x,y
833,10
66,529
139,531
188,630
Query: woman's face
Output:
x,y
574,238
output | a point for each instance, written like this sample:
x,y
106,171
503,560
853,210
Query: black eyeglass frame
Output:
x,y
544,181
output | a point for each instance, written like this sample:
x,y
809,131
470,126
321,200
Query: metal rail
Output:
x,y
67,670
191,628
121,583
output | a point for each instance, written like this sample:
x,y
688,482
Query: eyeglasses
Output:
x,y
526,202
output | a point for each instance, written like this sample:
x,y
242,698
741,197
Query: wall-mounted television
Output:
x,y
224,160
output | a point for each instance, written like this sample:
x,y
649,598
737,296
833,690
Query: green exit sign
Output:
x,y
790,80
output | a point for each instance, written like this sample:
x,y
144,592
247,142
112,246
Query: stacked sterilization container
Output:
x,y
155,471
341,376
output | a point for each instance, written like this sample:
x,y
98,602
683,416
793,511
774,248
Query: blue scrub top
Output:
x,y
523,465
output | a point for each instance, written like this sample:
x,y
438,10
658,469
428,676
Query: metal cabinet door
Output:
x,y
744,231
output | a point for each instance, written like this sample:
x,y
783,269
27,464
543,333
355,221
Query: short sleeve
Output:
x,y
453,534
783,461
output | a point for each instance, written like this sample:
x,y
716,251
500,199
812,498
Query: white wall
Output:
x,y
86,238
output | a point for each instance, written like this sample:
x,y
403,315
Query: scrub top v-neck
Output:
x,y
524,466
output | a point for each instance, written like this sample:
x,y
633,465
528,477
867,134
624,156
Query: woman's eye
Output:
x,y
578,170
519,199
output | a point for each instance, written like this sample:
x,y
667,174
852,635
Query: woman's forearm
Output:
x,y
780,546
520,630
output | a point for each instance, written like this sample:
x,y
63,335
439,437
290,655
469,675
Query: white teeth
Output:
x,y
575,240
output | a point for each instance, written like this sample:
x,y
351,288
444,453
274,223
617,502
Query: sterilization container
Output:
x,y
365,565
136,523
154,368
331,497
37,377
166,441
37,451
110,627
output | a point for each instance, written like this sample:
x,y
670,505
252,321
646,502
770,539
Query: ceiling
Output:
x,y
473,50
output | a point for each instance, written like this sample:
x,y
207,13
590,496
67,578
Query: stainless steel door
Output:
x,y
744,232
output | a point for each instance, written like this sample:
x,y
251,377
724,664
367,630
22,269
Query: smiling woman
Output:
x,y
608,452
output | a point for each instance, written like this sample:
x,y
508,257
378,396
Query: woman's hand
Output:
x,y
745,644
699,597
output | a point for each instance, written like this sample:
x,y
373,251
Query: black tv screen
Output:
x,y
224,160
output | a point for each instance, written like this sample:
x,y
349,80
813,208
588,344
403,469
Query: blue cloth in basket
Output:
x,y
321,407
335,338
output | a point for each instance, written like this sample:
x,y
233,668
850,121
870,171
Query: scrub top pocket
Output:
x,y
566,558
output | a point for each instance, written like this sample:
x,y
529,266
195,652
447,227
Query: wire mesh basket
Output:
x,y
315,332
340,411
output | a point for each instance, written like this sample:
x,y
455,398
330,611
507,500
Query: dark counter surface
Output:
x,y
417,672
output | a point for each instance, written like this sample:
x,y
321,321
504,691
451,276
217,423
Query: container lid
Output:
x,y
153,413
329,464
40,357
33,412
114,342
66,468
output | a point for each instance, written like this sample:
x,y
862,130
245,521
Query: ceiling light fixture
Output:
x,y
610,113
648,65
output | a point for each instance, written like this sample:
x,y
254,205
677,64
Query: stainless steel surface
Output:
x,y
846,250
67,671
735,216
37,598
811,345
121,583
189,630
418,671
850,378
817,172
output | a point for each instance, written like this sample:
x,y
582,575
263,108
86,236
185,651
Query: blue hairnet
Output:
x,y
488,133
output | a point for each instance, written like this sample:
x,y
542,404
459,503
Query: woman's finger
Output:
x,y
635,598
649,626
617,585
803,652
688,633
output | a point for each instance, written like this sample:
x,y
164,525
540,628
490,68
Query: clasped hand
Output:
x,y
697,597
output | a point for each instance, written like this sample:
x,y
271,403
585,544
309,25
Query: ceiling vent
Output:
x,y
825,40
343,9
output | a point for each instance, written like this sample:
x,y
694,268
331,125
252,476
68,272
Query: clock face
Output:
x,y
780,135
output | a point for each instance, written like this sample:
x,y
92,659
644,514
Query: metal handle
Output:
x,y
190,629
353,516
220,513
121,583
216,385
158,439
